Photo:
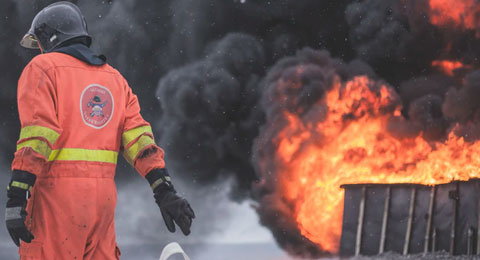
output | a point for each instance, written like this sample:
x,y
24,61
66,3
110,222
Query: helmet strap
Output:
x,y
46,37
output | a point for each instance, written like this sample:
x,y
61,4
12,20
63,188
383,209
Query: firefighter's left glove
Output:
x,y
174,208
18,192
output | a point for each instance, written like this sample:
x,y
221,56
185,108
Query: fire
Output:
x,y
352,145
446,66
462,13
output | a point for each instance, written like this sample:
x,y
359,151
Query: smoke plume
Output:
x,y
209,118
216,77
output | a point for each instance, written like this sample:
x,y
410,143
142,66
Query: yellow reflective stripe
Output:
x,y
160,181
141,143
20,185
77,154
37,145
132,134
39,131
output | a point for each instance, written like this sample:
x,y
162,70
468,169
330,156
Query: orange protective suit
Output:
x,y
75,118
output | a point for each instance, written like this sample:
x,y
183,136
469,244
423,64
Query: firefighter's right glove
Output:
x,y
15,213
174,208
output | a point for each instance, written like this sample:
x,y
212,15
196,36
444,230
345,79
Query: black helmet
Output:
x,y
54,25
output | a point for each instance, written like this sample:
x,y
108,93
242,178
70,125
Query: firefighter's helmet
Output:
x,y
55,24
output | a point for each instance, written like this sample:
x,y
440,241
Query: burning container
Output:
x,y
411,218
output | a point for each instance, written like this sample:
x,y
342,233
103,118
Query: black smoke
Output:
x,y
297,85
204,71
314,73
209,112
395,38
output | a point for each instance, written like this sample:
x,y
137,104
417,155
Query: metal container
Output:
x,y
411,218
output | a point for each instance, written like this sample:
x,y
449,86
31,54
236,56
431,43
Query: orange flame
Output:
x,y
352,145
463,13
446,66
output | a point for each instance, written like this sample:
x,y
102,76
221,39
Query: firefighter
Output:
x,y
77,113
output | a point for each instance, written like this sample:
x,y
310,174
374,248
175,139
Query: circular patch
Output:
x,y
96,106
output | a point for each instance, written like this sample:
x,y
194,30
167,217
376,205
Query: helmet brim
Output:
x,y
29,41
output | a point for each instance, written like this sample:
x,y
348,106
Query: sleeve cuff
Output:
x,y
159,180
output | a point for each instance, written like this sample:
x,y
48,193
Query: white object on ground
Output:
x,y
171,249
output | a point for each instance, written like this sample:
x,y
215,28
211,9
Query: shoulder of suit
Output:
x,y
47,61
43,61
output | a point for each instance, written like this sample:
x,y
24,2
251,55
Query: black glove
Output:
x,y
173,207
15,213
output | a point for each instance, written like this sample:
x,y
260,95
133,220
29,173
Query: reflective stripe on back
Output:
x,y
77,154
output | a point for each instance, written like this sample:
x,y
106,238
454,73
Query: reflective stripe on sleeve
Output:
x,y
37,145
77,154
20,185
132,134
133,151
39,131
160,181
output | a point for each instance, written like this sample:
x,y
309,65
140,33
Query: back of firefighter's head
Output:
x,y
56,25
